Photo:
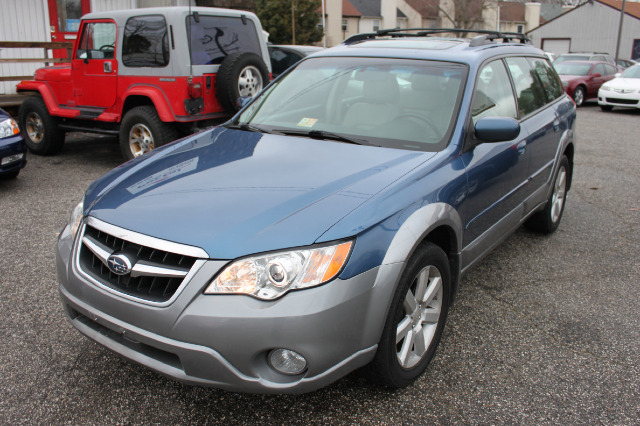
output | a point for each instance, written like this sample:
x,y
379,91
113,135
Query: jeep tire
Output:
x,y
240,74
42,134
142,130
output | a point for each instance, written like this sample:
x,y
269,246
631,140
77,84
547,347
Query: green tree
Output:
x,y
276,16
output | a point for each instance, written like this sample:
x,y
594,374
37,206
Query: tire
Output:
x,y
399,361
41,132
579,95
240,74
546,221
606,108
142,130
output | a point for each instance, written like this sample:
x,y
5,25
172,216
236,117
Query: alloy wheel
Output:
x,y
250,81
35,127
559,193
140,139
422,306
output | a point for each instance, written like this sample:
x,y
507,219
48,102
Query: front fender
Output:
x,y
42,87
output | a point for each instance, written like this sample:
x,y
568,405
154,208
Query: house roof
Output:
x,y
426,8
368,8
631,9
512,11
349,10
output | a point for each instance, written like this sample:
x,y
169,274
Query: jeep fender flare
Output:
x,y
157,98
42,88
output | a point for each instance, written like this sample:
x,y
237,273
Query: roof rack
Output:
x,y
485,37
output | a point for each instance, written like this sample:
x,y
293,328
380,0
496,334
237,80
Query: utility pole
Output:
x,y
293,21
624,2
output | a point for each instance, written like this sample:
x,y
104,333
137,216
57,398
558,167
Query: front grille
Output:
x,y
622,101
155,274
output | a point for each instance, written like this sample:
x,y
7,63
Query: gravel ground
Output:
x,y
544,330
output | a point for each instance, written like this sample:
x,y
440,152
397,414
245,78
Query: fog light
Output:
x,y
12,158
287,362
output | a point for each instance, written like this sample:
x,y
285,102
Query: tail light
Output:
x,y
195,90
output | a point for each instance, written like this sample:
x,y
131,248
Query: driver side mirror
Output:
x,y
596,75
497,129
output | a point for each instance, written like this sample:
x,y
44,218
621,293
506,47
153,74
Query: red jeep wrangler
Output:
x,y
147,75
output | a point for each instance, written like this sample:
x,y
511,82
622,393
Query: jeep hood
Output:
x,y
235,193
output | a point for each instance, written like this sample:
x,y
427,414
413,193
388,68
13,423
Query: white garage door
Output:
x,y
558,46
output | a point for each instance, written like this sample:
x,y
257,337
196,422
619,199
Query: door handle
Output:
x,y
522,147
107,67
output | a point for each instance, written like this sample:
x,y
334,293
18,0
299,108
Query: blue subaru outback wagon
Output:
x,y
327,225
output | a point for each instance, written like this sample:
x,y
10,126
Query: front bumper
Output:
x,y
223,340
613,98
10,148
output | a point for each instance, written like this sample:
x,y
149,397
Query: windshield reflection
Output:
x,y
397,103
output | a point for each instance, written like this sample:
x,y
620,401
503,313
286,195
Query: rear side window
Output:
x,y
146,42
493,96
215,37
548,77
529,91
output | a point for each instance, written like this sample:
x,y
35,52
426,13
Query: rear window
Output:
x,y
146,42
215,37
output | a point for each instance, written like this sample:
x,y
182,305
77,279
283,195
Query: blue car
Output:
x,y
326,227
13,150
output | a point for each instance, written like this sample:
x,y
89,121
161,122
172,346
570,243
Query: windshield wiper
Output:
x,y
323,135
248,127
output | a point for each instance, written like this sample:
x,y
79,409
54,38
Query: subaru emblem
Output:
x,y
119,264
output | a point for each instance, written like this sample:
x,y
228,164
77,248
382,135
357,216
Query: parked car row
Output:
x,y
596,76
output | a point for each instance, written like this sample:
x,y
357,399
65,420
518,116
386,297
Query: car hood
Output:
x,y
625,83
235,193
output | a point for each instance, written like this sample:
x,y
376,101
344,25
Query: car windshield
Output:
x,y
572,68
396,103
632,72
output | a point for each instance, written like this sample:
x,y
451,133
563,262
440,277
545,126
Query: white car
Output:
x,y
622,91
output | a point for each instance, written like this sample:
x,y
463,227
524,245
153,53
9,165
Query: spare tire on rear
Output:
x,y
240,74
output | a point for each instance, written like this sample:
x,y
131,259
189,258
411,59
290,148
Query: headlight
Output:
x,y
8,127
75,219
605,87
270,276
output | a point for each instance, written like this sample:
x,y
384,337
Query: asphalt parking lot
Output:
x,y
544,330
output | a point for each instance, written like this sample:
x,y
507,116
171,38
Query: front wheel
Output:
x,y
547,220
579,95
415,320
142,130
42,134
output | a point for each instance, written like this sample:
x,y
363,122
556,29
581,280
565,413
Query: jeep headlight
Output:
x,y
8,127
75,219
272,275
